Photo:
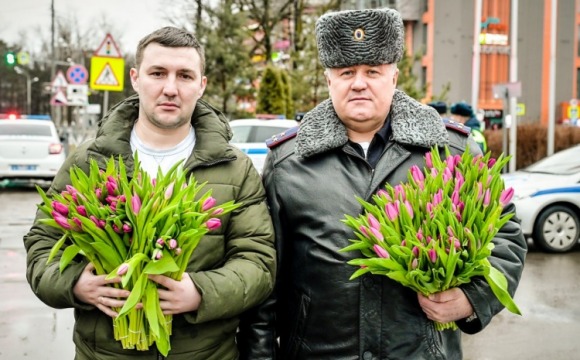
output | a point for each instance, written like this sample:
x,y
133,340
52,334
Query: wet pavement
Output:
x,y
548,296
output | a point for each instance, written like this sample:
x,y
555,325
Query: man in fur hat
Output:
x,y
366,135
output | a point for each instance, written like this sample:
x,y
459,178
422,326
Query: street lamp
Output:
x,y
29,81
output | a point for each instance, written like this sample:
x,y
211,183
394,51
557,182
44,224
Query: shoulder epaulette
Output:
x,y
458,127
278,139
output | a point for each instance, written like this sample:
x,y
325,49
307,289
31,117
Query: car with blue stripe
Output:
x,y
547,200
250,136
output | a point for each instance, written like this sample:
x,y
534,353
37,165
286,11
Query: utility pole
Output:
x,y
513,79
476,59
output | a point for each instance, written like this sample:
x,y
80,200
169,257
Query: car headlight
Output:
x,y
524,194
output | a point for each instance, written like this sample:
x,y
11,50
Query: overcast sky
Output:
x,y
133,18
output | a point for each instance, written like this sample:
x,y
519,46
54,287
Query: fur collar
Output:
x,y
412,124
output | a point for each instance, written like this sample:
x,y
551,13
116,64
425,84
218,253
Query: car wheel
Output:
x,y
557,229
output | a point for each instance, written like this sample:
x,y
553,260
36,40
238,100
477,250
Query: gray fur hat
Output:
x,y
357,37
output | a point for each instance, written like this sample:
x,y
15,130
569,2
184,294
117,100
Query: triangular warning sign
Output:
x,y
107,77
59,99
59,81
108,48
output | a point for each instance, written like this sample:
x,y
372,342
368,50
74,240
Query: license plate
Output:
x,y
22,167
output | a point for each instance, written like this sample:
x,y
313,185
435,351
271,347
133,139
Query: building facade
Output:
x,y
444,31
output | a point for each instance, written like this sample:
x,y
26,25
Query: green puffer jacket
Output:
x,y
233,266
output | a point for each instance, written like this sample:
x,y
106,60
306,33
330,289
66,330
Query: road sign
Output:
x,y
23,58
108,48
77,74
107,73
59,99
77,95
58,82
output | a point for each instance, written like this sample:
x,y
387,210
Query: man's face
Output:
x,y
362,94
169,83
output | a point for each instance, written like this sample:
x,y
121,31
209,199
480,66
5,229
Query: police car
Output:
x,y
30,147
547,200
250,136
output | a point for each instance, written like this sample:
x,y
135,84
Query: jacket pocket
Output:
x,y
295,340
434,341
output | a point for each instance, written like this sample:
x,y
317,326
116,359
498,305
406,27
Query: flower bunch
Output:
x,y
132,227
435,232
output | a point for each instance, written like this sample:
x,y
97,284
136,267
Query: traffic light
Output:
x,y
10,58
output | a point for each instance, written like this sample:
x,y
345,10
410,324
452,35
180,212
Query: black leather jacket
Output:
x,y
317,312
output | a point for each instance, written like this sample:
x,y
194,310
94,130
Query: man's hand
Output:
x,y
95,290
178,296
446,306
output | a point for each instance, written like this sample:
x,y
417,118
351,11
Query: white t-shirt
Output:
x,y
151,159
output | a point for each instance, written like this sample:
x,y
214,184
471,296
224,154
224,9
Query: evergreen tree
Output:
x,y
271,93
287,92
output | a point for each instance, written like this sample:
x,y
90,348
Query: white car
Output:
x,y
547,199
250,136
30,148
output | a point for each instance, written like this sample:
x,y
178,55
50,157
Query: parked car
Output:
x,y
547,199
250,136
30,148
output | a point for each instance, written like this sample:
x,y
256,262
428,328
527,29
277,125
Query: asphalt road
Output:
x,y
548,297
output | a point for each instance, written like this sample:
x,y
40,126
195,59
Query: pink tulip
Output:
x,y
160,243
487,198
78,223
400,191
217,211
382,253
373,222
414,263
420,234
213,223
432,255
135,204
404,243
98,193
127,228
96,221
157,254
377,234
177,251
455,197
506,196
429,160
122,270
409,208
479,190
491,162
208,204
122,198
117,229
382,193
447,175
61,220
169,191
172,243
391,210
364,231
417,174
82,210
415,251
60,208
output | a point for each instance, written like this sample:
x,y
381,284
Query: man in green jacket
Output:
x,y
233,267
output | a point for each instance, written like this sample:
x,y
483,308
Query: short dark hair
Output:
x,y
170,36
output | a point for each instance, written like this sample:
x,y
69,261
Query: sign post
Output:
x,y
107,69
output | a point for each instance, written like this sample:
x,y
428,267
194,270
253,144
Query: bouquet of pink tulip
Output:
x,y
435,232
133,227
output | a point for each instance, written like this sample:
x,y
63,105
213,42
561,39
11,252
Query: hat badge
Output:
x,y
359,34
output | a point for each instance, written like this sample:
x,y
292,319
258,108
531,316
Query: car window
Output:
x,y
25,130
263,133
241,134
564,162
